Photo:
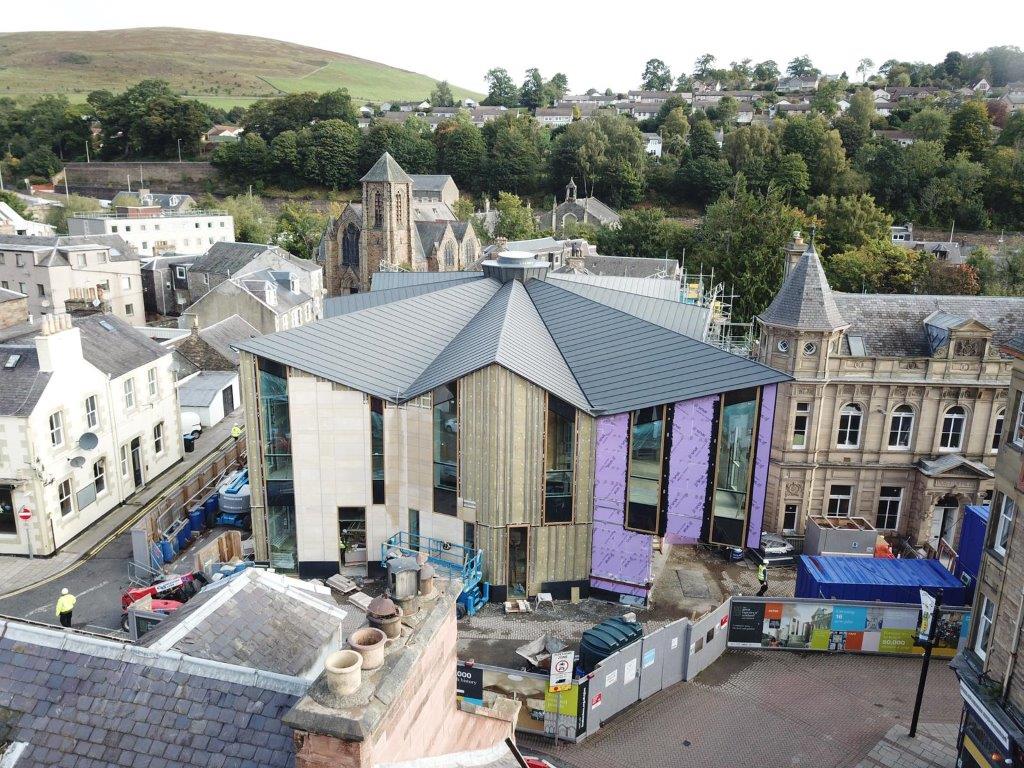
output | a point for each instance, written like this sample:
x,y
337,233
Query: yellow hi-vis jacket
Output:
x,y
65,603
762,573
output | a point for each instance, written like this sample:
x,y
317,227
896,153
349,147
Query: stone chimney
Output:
x,y
794,249
500,244
576,260
59,340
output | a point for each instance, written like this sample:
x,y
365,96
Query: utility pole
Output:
x,y
179,150
67,194
87,153
928,642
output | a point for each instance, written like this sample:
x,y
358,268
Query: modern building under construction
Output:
x,y
559,422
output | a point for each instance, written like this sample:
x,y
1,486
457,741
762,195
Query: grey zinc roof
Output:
x,y
892,325
203,388
385,281
255,620
601,358
644,286
23,385
340,305
115,347
79,700
386,169
805,300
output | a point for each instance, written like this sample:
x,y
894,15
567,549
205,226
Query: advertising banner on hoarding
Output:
x,y
794,624
541,707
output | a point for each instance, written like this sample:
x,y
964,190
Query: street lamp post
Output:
x,y
928,644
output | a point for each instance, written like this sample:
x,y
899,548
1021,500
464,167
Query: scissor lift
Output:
x,y
463,563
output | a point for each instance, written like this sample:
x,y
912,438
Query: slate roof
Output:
x,y
952,461
115,347
257,620
603,351
434,182
627,266
230,258
387,169
120,250
203,388
1017,343
8,295
805,300
222,335
892,325
23,385
80,700
431,233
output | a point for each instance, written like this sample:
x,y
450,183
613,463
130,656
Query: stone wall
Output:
x,y
105,179
13,312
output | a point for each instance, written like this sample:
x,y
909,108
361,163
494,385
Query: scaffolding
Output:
x,y
700,289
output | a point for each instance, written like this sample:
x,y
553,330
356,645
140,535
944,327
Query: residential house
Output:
x,y
531,423
896,408
151,230
556,116
784,108
393,227
903,138
64,273
653,144
797,84
224,261
165,290
884,108
89,415
1014,102
573,210
220,134
168,203
655,97
267,299
982,86
13,223
991,680
210,348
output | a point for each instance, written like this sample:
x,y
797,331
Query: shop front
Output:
x,y
989,732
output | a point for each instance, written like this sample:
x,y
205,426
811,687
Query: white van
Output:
x,y
190,425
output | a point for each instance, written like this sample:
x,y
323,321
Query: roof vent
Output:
x,y
515,265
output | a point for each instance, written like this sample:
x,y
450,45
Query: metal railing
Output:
x,y
465,562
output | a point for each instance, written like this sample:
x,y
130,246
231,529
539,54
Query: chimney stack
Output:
x,y
58,341
794,249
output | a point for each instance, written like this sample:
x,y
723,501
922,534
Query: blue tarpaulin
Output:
x,y
972,543
876,579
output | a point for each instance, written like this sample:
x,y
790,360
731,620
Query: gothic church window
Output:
x,y
449,256
378,211
398,207
350,246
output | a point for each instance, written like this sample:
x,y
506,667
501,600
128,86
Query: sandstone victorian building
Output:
x,y
897,405
403,222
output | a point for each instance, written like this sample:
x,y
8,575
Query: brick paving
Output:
x,y
780,709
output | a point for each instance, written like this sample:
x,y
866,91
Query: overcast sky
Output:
x,y
599,44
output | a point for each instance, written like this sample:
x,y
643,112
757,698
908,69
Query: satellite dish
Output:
x,y
77,461
88,441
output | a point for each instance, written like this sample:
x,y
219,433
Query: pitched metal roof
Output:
x,y
644,286
805,300
387,169
205,387
620,355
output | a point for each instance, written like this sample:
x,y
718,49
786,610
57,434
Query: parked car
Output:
x,y
191,427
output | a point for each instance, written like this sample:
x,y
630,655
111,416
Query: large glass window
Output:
x,y
887,517
953,428
446,448
646,456
1001,538
840,499
733,464
986,616
377,448
997,429
560,443
849,426
900,427
800,421
275,427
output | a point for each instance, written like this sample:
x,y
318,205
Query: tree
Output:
x,y
515,153
461,152
672,103
656,76
702,138
739,238
253,223
57,216
825,100
766,73
299,229
1013,133
556,87
950,280
724,112
864,66
248,159
515,222
929,124
876,266
329,151
952,64
703,65
969,131
40,162
702,179
862,108
501,90
532,94
674,131
285,161
645,232
802,66
442,96
849,222
821,148
410,143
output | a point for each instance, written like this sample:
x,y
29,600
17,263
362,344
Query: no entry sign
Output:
x,y
561,671
25,513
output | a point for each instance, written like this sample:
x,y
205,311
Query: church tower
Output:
x,y
387,218
570,191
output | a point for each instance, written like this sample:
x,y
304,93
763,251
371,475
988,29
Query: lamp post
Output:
x,y
928,642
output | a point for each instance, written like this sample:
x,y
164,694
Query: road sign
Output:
x,y
924,628
560,678
25,513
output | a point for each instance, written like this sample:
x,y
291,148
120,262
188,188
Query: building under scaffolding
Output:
x,y
702,290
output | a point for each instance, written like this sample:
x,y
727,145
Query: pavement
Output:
x,y
94,565
764,708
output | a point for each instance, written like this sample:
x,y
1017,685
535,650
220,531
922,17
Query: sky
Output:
x,y
598,44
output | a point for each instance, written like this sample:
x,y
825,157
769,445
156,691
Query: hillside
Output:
x,y
221,69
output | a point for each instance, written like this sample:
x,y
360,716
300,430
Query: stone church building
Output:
x,y
403,223
897,405
576,210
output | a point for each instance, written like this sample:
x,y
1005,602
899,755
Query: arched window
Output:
x,y
449,256
849,426
953,428
398,207
350,246
378,211
997,429
901,426
470,251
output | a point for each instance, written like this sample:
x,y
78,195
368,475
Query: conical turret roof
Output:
x,y
805,300
387,169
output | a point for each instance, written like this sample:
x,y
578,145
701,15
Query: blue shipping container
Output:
x,y
972,543
873,579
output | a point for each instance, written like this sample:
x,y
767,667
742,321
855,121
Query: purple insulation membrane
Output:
x,y
621,559
688,466
764,446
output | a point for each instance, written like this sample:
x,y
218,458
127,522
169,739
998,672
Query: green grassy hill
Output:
x,y
221,69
